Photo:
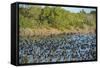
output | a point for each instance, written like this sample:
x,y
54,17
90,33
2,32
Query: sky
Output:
x,y
75,10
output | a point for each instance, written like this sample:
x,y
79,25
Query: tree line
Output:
x,y
55,17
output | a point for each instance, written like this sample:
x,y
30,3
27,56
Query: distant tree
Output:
x,y
82,11
93,12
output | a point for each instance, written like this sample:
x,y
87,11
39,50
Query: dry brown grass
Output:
x,y
51,31
37,32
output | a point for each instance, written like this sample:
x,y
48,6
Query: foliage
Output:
x,y
54,17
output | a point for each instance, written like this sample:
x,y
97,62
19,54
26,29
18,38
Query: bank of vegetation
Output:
x,y
36,20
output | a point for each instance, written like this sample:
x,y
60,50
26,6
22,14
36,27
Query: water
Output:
x,y
75,47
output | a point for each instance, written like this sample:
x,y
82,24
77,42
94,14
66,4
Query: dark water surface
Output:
x,y
75,47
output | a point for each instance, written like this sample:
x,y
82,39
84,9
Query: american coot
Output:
x,y
70,47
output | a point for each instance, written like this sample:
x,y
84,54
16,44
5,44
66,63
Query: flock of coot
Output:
x,y
75,47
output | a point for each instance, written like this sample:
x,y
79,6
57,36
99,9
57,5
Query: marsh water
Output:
x,y
74,47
